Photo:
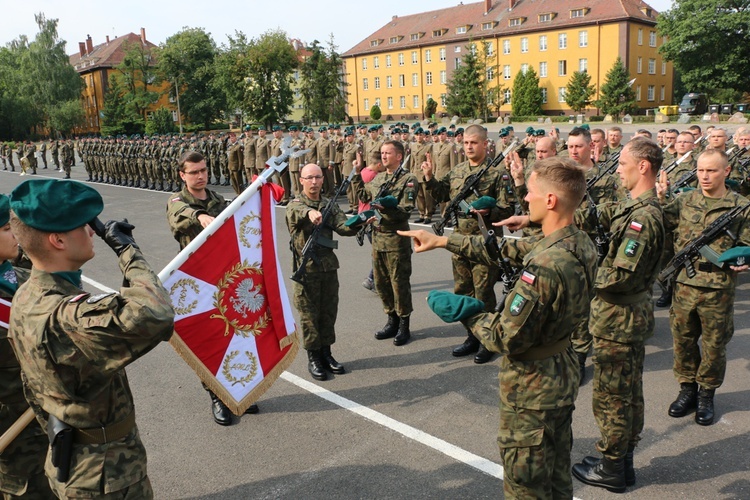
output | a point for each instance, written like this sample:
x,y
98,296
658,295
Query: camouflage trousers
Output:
x,y
137,491
581,338
617,400
22,462
702,323
475,280
317,302
535,449
392,275
425,201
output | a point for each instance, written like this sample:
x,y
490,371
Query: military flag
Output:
x,y
4,313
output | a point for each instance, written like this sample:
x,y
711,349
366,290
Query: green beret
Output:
x,y
734,184
374,128
451,307
442,130
293,128
386,201
483,203
55,206
261,127
540,133
4,210
360,218
585,126
504,133
509,127
529,130
450,133
420,130
737,256
459,130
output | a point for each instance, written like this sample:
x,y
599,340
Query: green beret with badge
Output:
x,y
451,307
483,203
389,201
540,133
504,133
359,219
4,210
530,130
55,206
737,256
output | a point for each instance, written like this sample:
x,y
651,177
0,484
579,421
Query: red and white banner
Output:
x,y
4,313
233,321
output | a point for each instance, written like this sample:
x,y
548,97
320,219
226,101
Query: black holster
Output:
x,y
60,437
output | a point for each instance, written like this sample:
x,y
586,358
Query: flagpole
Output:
x,y
16,429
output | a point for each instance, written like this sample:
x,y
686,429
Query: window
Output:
x,y
562,68
545,18
429,96
414,59
543,69
490,74
561,94
488,26
401,59
365,84
457,49
389,82
457,63
542,43
516,21
506,47
415,101
524,45
639,65
577,13
442,100
428,56
489,49
388,61
661,93
583,38
428,78
373,43
442,54
562,41
506,72
506,95
638,93
377,82
402,80
544,95
583,65
376,62
650,93
524,68
640,36
377,101
443,77
437,33
393,39
414,80
390,103
461,30
364,63
663,68
414,37
367,104
652,39
402,102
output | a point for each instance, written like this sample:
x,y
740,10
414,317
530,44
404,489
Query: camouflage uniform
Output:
x,y
622,317
317,300
539,374
73,349
425,201
391,253
183,210
22,462
703,306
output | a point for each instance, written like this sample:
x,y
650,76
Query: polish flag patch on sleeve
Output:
x,y
636,226
527,277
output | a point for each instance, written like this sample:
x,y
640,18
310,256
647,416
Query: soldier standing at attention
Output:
x,y
281,178
248,152
317,298
54,148
73,347
22,463
262,150
391,253
419,152
539,370
43,151
235,163
188,213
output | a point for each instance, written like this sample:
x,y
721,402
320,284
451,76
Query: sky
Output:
x,y
308,20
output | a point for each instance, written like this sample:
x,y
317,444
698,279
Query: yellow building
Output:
x,y
411,58
95,63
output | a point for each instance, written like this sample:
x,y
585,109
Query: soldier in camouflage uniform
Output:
x,y
419,152
539,370
73,347
391,253
22,462
470,278
317,297
351,152
702,313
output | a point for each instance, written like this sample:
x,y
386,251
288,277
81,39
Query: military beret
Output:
x,y
275,128
442,130
416,125
450,133
389,201
322,129
331,127
293,128
585,126
261,127
53,205
373,128
540,133
4,209
737,256
451,307
348,133
529,130
510,127
360,218
247,127
504,133
459,130
420,130
483,203
396,131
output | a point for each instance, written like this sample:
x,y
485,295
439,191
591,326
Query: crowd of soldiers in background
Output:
x,y
28,155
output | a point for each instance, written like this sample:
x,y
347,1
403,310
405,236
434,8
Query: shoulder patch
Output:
x,y
410,184
78,297
175,199
636,226
631,248
517,305
527,277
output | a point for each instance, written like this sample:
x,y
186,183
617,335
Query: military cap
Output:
x,y
737,256
275,128
585,126
459,130
293,128
389,201
416,125
4,209
360,218
510,127
55,206
540,133
373,128
330,126
419,130
504,133
530,130
451,134
396,131
442,130
453,126
322,128
247,127
483,203
451,307
347,133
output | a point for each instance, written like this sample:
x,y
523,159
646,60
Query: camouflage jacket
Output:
x,y
623,309
73,348
384,237
688,215
300,228
183,210
546,305
606,189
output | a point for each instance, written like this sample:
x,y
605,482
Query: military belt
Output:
x,y
108,434
622,299
540,352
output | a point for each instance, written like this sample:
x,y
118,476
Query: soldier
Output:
x,y
391,253
317,297
283,179
73,347
67,157
235,163
670,138
262,150
703,304
7,154
22,463
43,153
54,148
419,152
29,153
325,161
188,213
472,279
349,155
248,151
294,163
539,371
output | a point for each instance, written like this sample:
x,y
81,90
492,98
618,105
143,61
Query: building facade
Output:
x,y
411,59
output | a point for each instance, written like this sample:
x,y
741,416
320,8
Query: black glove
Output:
x,y
119,235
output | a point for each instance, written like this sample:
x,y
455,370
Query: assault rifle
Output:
x,y
458,203
668,169
385,188
699,246
309,251
508,274
602,237
683,181
607,168
736,154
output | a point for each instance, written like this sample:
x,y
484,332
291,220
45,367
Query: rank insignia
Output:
x,y
527,277
631,248
636,226
517,305
96,298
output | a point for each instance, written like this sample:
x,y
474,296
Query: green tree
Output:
x,y
322,84
187,60
161,122
117,118
18,113
578,93
708,42
375,112
66,116
430,107
616,95
139,74
464,96
232,69
527,95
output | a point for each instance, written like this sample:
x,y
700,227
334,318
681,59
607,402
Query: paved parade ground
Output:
x,y
404,422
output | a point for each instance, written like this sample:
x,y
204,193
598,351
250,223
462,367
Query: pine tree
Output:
x,y
527,96
464,89
616,95
578,93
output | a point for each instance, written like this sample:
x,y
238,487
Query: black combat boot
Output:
x,y
330,363
704,415
629,469
483,355
315,365
221,413
666,298
160,186
403,335
581,366
470,346
686,400
606,473
390,329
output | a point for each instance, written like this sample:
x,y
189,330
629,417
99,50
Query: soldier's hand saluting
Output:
x,y
662,185
427,167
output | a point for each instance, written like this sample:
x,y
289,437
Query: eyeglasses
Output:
x,y
195,172
312,178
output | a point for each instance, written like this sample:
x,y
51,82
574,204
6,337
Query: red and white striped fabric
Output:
x,y
4,313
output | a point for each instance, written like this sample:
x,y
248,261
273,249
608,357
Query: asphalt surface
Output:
x,y
404,422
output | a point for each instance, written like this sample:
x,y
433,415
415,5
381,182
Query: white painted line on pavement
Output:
x,y
98,285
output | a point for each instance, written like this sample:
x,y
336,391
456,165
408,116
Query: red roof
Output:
x,y
107,54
